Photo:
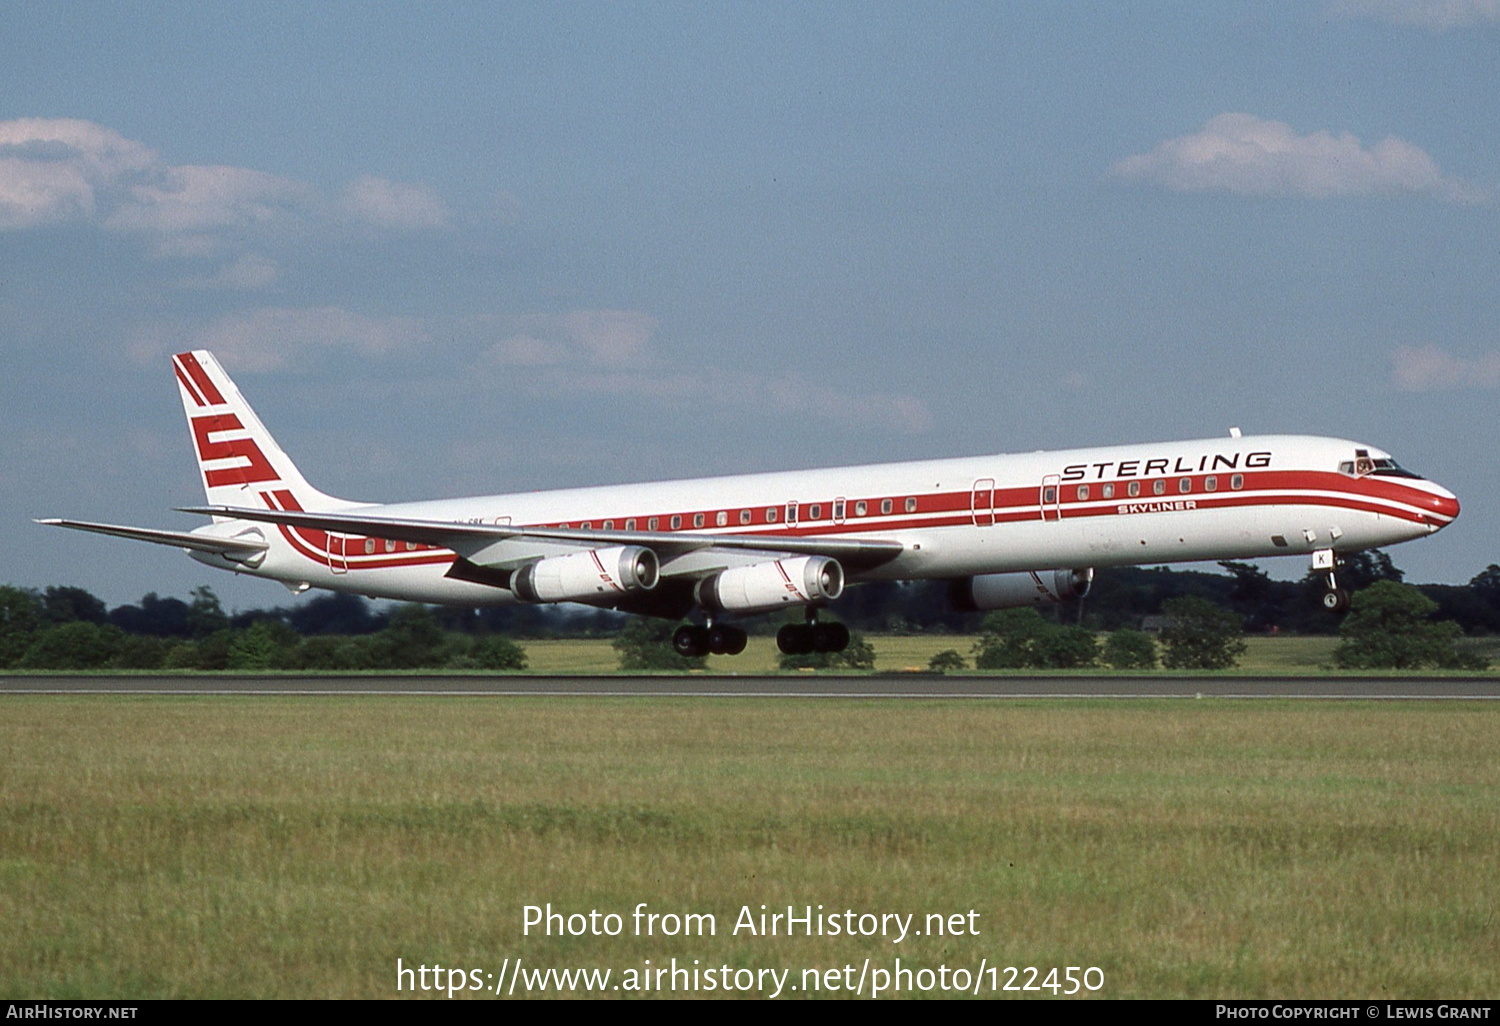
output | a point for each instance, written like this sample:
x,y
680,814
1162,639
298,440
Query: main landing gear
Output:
x,y
812,636
694,642
1326,562
793,639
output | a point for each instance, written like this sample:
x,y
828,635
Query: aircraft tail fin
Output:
x,y
238,460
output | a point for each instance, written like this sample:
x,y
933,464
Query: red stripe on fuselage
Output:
x,y
313,544
1011,505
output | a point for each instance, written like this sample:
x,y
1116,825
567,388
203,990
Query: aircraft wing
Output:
x,y
241,547
471,540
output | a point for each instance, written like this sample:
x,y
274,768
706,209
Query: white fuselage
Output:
x,y
1209,499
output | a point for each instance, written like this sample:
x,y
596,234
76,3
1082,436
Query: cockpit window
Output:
x,y
1364,466
1389,468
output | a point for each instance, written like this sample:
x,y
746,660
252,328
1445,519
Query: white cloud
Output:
x,y
1438,15
1429,369
607,352
584,338
1249,156
190,200
396,205
272,338
248,272
59,170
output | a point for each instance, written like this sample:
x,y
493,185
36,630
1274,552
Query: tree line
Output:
x,y
70,628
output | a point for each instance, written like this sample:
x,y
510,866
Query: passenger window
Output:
x,y
1237,481
744,516
609,525
721,519
630,524
838,509
390,546
1133,489
1049,495
653,523
1158,487
771,515
1083,493
814,511
1109,491
369,546
886,506
1210,484
911,505
697,519
676,522
1185,485
860,508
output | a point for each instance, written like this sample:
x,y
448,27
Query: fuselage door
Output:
x,y
982,502
1050,498
338,558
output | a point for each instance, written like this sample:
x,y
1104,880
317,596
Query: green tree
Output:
x,y
411,640
205,615
948,661
496,652
1127,649
1023,639
20,617
1389,626
1200,635
261,646
646,644
64,605
79,645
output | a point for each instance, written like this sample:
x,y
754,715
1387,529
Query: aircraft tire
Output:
x,y
1336,600
690,642
829,637
794,639
726,640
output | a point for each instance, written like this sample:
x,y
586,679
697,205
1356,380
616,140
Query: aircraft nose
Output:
x,y
1442,507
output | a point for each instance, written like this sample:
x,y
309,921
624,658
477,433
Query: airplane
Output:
x,y
1005,530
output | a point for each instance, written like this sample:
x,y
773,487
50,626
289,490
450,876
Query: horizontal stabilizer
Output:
x,y
232,547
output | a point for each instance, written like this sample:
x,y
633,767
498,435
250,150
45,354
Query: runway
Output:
x,y
895,686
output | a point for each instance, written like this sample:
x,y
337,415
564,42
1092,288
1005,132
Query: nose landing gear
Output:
x,y
1326,562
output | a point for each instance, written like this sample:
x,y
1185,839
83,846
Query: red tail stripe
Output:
x,y
187,385
200,377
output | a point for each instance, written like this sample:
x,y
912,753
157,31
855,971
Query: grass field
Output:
x,y
271,847
893,652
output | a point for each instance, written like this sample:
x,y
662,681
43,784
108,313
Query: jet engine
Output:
x,y
1027,588
587,576
804,580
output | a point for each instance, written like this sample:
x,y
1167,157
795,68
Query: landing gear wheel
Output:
x,y
690,642
795,639
829,637
1336,600
726,640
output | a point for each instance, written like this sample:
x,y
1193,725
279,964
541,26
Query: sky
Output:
x,y
451,249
